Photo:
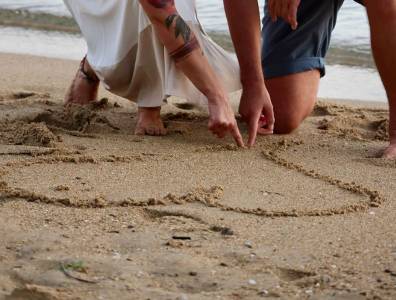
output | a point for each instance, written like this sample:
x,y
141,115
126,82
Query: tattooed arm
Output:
x,y
184,48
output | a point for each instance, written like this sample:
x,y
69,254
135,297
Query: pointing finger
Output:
x,y
253,127
237,136
268,112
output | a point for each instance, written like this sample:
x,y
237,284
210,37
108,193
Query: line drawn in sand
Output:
x,y
209,197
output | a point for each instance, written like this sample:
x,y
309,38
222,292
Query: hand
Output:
x,y
285,9
257,111
222,120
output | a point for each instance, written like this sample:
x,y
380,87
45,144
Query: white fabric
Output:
x,y
130,60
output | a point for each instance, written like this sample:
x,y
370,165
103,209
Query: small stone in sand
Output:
x,y
248,244
252,282
263,293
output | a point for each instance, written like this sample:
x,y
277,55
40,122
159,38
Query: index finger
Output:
x,y
253,128
237,136
268,112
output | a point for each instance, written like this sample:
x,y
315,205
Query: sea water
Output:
x,y
350,37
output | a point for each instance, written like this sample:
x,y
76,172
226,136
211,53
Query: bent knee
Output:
x,y
288,120
286,126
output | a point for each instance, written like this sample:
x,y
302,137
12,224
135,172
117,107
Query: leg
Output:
x,y
382,17
293,97
84,87
149,122
293,60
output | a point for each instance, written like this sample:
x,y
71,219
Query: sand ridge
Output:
x,y
360,124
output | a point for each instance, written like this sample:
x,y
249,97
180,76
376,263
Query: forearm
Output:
x,y
181,43
244,23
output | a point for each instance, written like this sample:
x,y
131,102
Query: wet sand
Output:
x,y
90,211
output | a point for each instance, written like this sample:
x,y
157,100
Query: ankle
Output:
x,y
88,72
153,111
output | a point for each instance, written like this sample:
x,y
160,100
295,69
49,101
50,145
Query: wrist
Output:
x,y
215,96
255,87
252,74
253,81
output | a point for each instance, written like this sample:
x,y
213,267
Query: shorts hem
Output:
x,y
294,66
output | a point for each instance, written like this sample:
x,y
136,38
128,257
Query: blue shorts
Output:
x,y
286,51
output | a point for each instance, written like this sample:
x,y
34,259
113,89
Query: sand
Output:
x,y
90,211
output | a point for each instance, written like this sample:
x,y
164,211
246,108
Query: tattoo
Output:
x,y
182,52
181,27
161,3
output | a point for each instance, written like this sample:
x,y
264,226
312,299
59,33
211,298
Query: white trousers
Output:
x,y
130,60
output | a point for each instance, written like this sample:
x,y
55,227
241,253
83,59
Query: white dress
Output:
x,y
130,60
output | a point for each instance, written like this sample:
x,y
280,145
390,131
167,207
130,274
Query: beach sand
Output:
x,y
90,211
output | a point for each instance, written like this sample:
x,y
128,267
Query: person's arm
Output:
x,y
184,49
244,23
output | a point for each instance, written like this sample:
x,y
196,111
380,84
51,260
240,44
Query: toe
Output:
x,y
140,131
158,131
150,131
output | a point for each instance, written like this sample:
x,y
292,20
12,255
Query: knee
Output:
x,y
287,124
289,118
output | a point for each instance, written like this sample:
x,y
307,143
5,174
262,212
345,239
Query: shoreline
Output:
x,y
335,85
64,24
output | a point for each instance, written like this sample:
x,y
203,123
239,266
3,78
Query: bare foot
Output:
x,y
85,85
390,152
149,122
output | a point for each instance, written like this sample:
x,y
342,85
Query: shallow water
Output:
x,y
351,31
350,38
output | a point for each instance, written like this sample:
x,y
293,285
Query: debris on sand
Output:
x,y
30,134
